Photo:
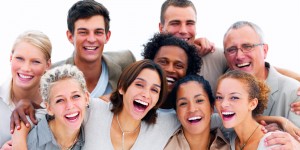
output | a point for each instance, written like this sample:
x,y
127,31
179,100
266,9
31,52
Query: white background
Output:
x,y
133,22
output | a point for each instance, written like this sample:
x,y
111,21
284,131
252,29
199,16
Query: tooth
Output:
x,y
72,115
227,113
23,76
194,118
142,102
243,64
170,79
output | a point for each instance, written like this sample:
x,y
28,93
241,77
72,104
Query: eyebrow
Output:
x,y
87,29
146,81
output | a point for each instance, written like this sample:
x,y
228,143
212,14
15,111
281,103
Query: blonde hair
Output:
x,y
38,39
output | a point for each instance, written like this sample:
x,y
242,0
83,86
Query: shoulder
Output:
x,y
122,58
261,145
69,60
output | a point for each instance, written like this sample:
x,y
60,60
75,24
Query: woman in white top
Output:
x,y
30,58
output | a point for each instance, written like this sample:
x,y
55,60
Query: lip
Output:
x,y
140,105
72,117
24,77
194,119
227,115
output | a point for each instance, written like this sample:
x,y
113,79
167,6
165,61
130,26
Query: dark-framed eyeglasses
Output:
x,y
245,48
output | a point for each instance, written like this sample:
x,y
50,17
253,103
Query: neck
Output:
x,y
252,133
263,74
32,94
198,141
91,70
65,137
127,123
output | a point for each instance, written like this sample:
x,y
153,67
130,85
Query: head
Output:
x,y
67,106
179,18
141,90
175,56
88,29
245,48
193,101
240,97
30,58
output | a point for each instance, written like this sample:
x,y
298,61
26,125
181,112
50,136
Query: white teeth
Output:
x,y
243,64
25,77
194,118
72,115
170,79
227,113
141,102
90,47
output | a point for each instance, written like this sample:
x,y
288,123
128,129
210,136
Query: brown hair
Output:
x,y
128,76
256,88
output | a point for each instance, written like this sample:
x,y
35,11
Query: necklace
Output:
x,y
244,144
62,147
125,132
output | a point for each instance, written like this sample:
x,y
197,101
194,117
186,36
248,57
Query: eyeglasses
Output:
x,y
245,48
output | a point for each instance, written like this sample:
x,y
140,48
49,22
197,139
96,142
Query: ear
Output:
x,y
121,91
70,37
87,98
10,57
253,104
266,49
161,27
48,64
49,109
107,36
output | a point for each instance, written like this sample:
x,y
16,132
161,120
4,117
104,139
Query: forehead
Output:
x,y
230,85
28,50
191,88
171,51
179,13
59,86
241,35
149,76
94,22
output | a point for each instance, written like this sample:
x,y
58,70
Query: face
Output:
x,y
180,22
252,62
142,94
28,64
193,108
232,102
68,105
174,61
89,38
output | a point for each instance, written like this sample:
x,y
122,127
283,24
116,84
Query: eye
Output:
x,y
191,23
155,90
76,96
182,104
199,100
82,32
99,32
36,62
162,62
219,98
179,66
139,85
59,101
234,98
247,47
231,49
19,58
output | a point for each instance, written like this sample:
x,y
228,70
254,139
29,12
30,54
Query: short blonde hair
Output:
x,y
38,39
57,74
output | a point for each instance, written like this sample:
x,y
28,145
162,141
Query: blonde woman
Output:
x,y
30,58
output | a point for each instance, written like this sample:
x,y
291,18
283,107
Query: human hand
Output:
x,y
269,127
23,108
7,145
282,140
105,98
204,46
295,107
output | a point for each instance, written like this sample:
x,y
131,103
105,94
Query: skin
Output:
x,y
89,38
255,58
28,64
232,96
174,61
146,88
193,102
181,22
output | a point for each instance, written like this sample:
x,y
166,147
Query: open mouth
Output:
x,y
72,117
90,48
24,77
228,115
243,65
170,80
194,119
140,105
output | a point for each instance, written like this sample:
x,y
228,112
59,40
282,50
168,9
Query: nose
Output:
x,y
192,107
183,29
225,103
70,104
26,66
240,53
91,37
146,93
169,68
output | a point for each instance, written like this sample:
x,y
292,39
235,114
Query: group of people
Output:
x,y
184,94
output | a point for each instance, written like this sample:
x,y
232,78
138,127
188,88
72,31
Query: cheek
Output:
x,y
39,70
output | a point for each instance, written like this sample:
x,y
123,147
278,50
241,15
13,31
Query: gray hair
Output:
x,y
241,24
57,74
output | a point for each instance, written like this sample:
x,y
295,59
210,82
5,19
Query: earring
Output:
x,y
87,105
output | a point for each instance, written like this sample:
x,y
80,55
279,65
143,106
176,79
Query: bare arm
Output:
x,y
288,73
19,138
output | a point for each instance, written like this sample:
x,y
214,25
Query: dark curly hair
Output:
x,y
159,40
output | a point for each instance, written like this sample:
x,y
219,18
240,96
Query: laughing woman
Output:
x,y
61,128
239,98
30,58
129,120
194,102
